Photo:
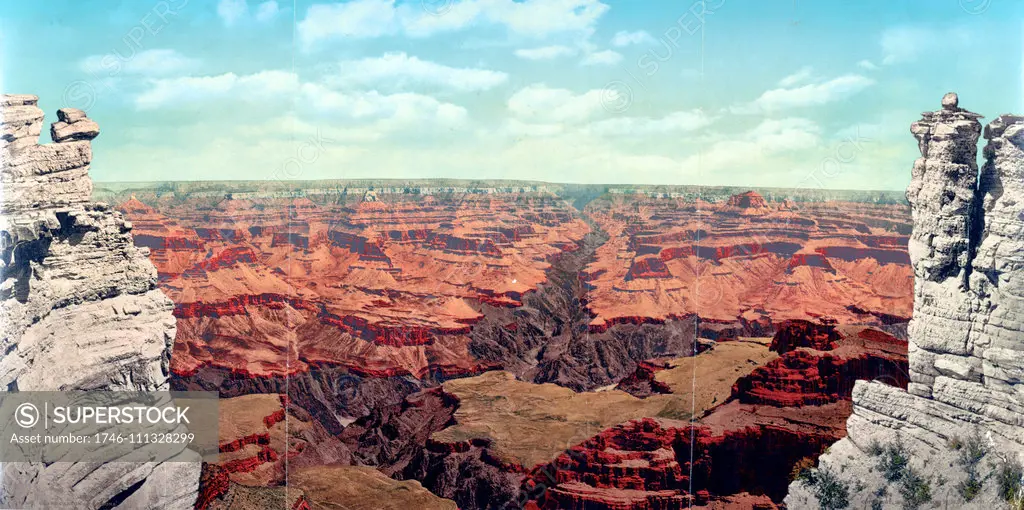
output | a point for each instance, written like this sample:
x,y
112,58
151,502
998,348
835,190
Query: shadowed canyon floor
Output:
x,y
524,347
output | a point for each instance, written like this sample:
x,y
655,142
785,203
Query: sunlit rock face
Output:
x,y
79,309
967,335
744,265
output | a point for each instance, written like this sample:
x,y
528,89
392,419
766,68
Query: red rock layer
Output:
x,y
800,333
301,504
256,442
258,438
273,286
748,200
747,261
173,248
213,483
794,407
802,378
651,463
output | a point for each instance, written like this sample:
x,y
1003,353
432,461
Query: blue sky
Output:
x,y
789,93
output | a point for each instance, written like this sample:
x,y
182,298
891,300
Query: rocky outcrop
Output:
x,y
79,309
748,200
798,333
967,335
816,375
642,382
791,408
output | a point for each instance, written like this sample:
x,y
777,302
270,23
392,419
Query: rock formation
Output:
x,y
783,411
743,266
967,333
748,200
490,440
79,309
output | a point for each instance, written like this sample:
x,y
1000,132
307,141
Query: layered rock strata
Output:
x,y
744,265
79,309
967,334
782,412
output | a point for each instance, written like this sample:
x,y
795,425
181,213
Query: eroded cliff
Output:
x,y
957,436
79,309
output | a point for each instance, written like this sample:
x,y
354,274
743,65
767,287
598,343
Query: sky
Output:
x,y
780,93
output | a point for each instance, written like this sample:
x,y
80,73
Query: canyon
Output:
x,y
542,347
546,347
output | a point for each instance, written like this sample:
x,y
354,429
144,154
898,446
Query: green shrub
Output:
x,y
970,488
915,489
831,492
894,461
1010,478
971,452
974,449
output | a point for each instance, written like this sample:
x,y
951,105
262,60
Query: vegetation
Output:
x,y
955,443
875,448
915,489
802,470
831,492
894,461
1010,478
971,452
971,487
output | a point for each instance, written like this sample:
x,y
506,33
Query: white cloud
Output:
x,y
267,11
606,57
867,64
540,103
545,52
230,11
517,128
376,18
812,94
256,87
676,122
155,62
400,71
626,38
772,137
906,44
796,78
283,91
357,19
409,108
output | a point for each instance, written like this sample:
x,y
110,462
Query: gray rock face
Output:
x,y
966,347
79,310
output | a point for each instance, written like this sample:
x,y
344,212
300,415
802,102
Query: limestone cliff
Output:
x,y
79,309
961,424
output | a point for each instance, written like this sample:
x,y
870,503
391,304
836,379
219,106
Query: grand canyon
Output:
x,y
523,344
512,254
456,344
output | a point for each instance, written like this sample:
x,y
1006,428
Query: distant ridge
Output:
x,y
120,191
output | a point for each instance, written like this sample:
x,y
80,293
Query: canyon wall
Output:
x,y
966,351
79,310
